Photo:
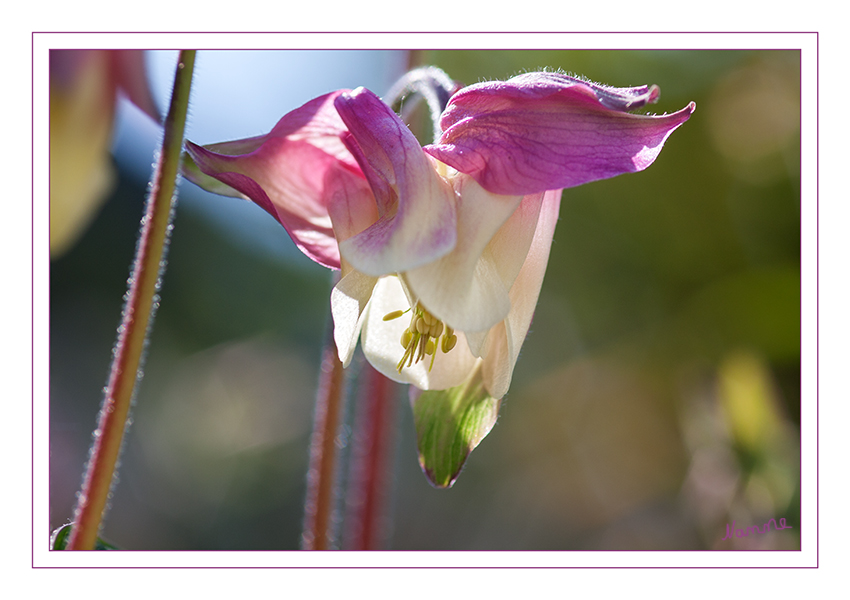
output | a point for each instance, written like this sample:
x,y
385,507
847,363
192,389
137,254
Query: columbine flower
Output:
x,y
442,249
84,85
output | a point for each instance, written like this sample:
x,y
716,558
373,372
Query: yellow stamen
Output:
x,y
421,325
421,351
421,336
448,342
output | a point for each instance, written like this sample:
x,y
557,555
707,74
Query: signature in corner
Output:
x,y
732,532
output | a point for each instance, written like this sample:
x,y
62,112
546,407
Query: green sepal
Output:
x,y
59,539
450,424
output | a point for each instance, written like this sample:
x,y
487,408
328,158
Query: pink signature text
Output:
x,y
731,531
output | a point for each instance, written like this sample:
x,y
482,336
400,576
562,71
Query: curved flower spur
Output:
x,y
456,233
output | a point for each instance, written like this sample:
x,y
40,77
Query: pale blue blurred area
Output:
x,y
239,94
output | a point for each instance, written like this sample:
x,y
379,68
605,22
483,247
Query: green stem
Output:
x,y
138,311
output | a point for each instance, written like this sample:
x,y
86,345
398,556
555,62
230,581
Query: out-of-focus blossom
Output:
x,y
83,90
442,249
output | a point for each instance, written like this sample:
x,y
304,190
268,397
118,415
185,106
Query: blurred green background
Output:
x,y
656,399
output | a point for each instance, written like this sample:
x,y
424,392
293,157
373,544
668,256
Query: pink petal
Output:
x,y
300,173
287,180
416,206
543,131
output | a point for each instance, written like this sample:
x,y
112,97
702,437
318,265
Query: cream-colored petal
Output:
x,y
464,288
505,339
381,344
477,340
349,299
510,245
498,365
507,251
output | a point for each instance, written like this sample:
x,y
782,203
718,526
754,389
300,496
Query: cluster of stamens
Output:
x,y
421,336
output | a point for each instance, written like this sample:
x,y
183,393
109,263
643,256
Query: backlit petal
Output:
x,y
465,288
300,173
505,340
508,251
348,302
416,205
287,180
510,245
543,131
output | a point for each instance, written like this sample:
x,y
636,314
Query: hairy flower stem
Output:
x,y
140,305
321,473
424,83
368,492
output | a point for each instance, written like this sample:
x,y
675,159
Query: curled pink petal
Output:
x,y
417,221
300,173
544,131
292,192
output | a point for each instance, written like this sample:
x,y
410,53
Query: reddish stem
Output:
x,y
368,491
321,474
132,334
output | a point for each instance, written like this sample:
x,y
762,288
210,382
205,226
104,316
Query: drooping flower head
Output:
x,y
442,249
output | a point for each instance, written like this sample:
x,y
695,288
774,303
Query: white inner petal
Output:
x,y
465,287
504,341
381,344
349,299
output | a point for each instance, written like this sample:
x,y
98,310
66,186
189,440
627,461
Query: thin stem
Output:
x,y
428,83
373,443
321,473
132,334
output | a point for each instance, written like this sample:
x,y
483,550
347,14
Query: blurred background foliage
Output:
x,y
656,399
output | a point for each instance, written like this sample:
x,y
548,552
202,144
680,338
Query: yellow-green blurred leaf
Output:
x,y
748,400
